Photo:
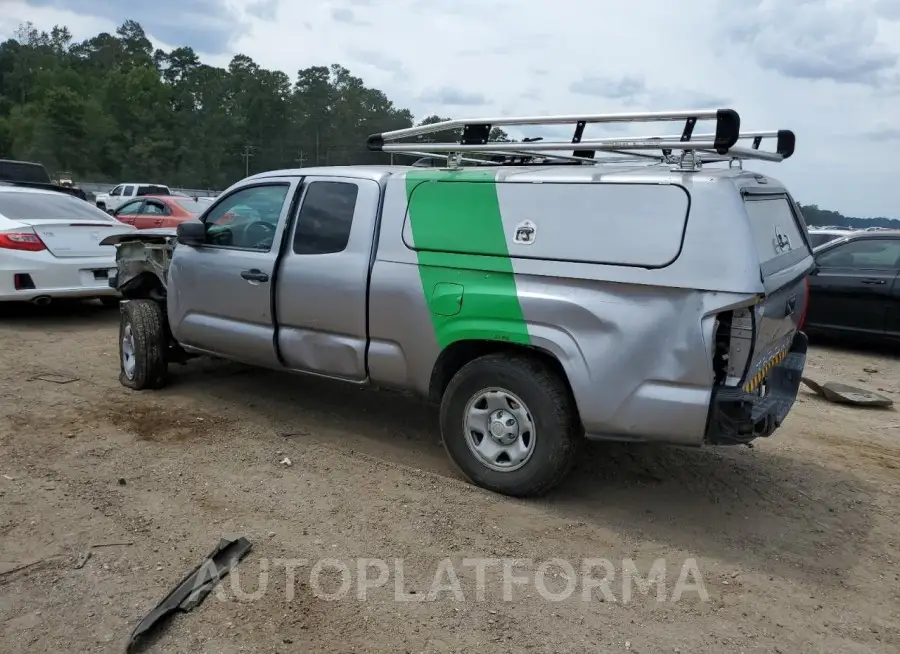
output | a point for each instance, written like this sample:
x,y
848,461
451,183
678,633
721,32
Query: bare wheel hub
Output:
x,y
504,427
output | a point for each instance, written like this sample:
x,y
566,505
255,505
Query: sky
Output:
x,y
827,69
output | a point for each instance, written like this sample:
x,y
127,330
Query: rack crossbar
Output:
x,y
476,131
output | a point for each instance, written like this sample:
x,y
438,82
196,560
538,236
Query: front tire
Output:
x,y
142,345
510,424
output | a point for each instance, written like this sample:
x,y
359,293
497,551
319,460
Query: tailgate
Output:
x,y
785,261
77,239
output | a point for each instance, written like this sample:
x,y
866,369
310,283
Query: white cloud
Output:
x,y
82,25
825,68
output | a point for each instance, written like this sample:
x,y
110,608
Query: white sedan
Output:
x,y
50,247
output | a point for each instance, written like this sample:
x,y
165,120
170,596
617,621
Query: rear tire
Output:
x,y
142,345
516,406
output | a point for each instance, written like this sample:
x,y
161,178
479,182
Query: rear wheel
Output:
x,y
510,424
142,345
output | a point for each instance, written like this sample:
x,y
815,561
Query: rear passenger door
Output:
x,y
322,290
852,288
152,214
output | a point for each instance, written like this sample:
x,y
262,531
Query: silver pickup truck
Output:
x,y
540,292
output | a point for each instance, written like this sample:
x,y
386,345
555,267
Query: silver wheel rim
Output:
x,y
128,351
499,429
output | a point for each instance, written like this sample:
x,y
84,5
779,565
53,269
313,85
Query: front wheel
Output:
x,y
142,345
510,424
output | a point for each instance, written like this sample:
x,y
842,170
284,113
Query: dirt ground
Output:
x,y
796,542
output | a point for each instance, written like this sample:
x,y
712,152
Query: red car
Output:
x,y
152,211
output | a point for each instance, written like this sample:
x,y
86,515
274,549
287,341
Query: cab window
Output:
x,y
325,219
247,219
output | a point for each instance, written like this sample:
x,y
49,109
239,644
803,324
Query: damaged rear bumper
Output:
x,y
737,417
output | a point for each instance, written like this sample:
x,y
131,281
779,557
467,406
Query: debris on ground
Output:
x,y
286,462
25,566
54,378
86,555
844,394
83,559
193,589
123,543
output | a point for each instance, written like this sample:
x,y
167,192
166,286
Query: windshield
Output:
x,y
818,238
191,205
21,171
21,205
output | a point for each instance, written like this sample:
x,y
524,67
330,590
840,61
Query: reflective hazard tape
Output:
x,y
760,377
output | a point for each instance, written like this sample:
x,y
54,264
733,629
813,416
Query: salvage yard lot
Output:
x,y
797,540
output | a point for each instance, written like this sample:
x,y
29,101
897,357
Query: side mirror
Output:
x,y
191,233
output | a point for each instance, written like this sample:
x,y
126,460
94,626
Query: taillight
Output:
x,y
805,304
29,242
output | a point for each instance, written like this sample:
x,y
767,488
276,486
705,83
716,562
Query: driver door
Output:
x,y
220,294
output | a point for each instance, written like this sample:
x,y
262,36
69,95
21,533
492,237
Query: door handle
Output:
x,y
255,275
872,280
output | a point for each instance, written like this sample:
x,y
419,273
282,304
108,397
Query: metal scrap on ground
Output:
x,y
55,378
194,588
844,394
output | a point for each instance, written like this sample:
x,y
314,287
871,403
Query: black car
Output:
x,y
856,288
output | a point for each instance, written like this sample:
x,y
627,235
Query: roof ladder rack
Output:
x,y
474,145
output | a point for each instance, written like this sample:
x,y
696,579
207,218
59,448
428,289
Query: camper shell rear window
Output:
x,y
778,234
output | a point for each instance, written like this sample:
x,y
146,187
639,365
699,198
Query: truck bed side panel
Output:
x,y
402,343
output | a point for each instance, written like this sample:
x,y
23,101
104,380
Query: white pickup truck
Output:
x,y
121,194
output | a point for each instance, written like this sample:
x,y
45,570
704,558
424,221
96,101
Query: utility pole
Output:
x,y
301,158
245,155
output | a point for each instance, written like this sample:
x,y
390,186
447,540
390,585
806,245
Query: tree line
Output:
x,y
111,108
